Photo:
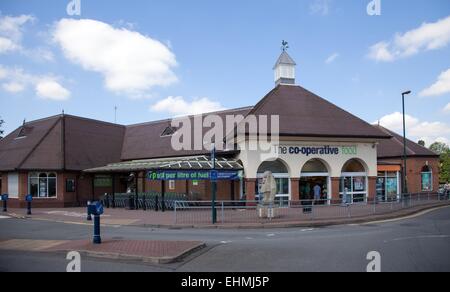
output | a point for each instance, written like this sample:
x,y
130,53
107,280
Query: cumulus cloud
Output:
x,y
131,63
417,130
440,87
11,31
332,58
50,89
429,36
13,87
16,80
178,106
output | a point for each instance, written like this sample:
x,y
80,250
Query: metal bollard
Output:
x,y
156,203
107,200
97,238
144,204
5,202
28,199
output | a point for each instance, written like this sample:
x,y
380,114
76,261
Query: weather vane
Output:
x,y
285,45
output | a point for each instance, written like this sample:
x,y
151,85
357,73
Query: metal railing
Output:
x,y
248,212
144,201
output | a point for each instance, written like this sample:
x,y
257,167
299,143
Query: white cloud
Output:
x,y
321,7
417,130
429,36
130,62
332,58
16,80
13,87
50,89
442,85
178,106
11,31
447,108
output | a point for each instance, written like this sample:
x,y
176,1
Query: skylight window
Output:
x,y
168,132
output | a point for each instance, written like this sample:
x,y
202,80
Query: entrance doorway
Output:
x,y
314,182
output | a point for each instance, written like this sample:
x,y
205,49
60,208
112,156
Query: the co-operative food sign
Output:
x,y
316,150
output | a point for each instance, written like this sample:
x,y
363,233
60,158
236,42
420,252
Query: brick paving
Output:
x,y
153,251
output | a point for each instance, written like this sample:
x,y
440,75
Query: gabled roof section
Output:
x,y
61,142
284,59
15,151
304,114
393,148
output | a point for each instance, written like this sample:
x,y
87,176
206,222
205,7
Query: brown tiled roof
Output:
x,y
144,141
302,113
393,148
86,144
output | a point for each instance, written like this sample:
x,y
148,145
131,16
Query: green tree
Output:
x,y
444,151
445,167
421,143
439,147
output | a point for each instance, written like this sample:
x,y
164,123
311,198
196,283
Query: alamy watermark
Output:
x,y
374,8
230,132
374,258
74,266
74,8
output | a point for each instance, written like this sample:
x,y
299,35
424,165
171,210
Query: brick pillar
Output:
x,y
250,189
335,189
372,191
295,189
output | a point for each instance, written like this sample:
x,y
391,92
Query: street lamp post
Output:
x,y
214,185
405,186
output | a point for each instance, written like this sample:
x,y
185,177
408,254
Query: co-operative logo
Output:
x,y
74,8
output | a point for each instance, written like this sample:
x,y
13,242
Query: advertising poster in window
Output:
x,y
426,181
359,184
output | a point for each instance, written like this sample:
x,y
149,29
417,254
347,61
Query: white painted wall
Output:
x,y
366,153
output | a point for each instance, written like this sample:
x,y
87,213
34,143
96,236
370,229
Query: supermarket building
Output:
x,y
64,160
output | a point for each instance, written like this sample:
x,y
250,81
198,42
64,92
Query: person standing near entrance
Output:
x,y
317,192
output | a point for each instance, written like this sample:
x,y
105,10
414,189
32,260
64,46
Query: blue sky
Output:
x,y
158,59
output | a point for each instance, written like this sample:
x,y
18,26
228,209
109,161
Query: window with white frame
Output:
x,y
42,184
354,182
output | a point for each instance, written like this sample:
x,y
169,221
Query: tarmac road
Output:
x,y
416,244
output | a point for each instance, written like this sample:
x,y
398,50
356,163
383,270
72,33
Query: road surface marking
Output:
x,y
418,237
5,217
401,218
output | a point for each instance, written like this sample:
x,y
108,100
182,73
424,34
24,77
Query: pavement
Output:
x,y
418,243
231,219
148,251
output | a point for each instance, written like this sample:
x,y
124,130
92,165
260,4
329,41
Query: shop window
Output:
x,y
427,179
42,185
388,186
354,182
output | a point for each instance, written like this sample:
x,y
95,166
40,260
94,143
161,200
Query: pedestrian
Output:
x,y
447,190
317,192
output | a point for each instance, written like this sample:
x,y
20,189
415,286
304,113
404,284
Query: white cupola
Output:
x,y
284,69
